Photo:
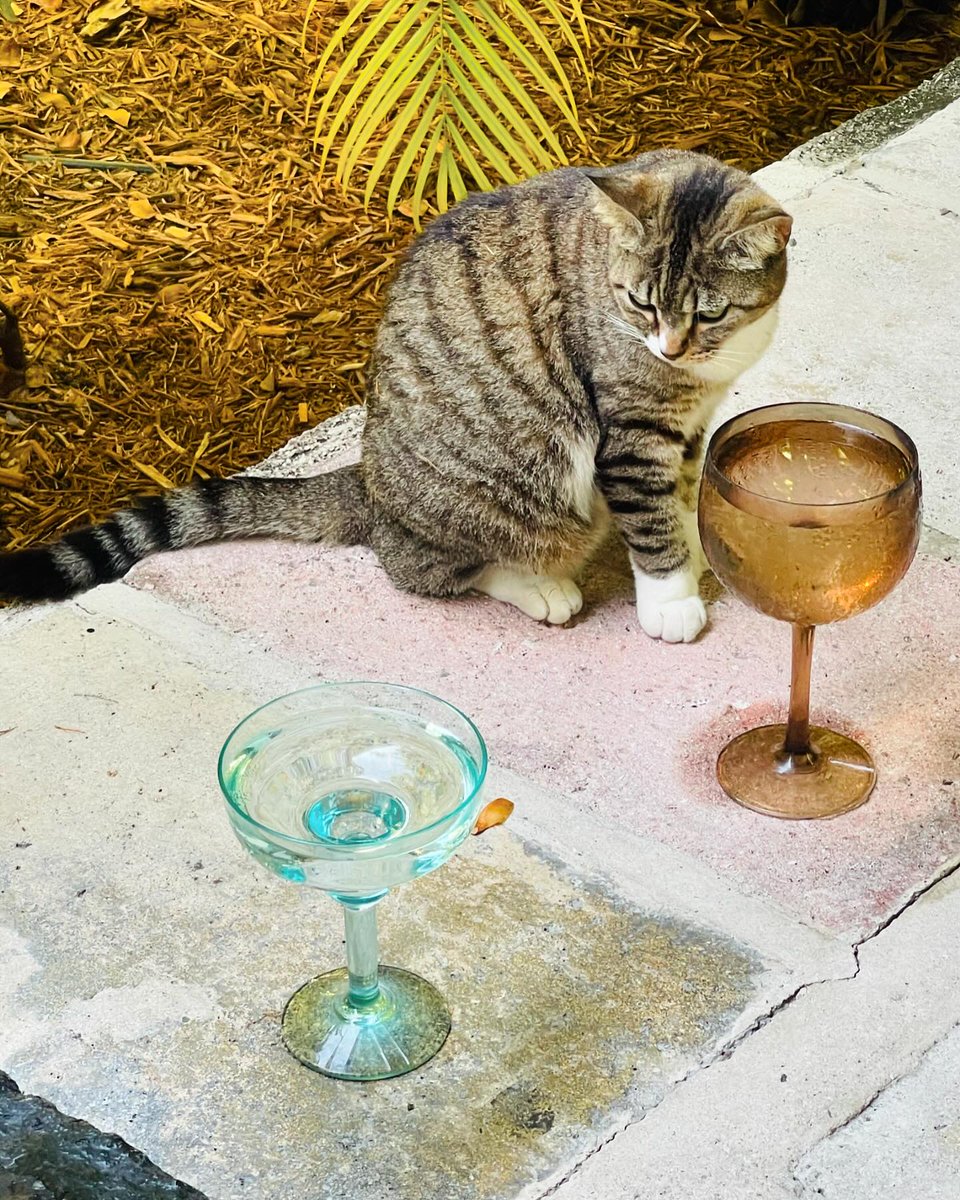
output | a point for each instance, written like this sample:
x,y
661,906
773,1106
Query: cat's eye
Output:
x,y
648,310
710,316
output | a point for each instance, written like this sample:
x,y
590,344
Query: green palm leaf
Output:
x,y
457,186
518,141
493,154
458,73
426,163
380,56
396,78
391,143
425,124
470,160
518,47
380,22
489,56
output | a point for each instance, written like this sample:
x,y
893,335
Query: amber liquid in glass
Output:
x,y
801,565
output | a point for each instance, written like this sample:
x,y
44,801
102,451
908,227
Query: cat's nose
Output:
x,y
672,342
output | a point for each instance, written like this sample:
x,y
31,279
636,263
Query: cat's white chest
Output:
x,y
738,353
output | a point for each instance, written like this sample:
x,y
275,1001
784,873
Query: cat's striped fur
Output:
x,y
540,368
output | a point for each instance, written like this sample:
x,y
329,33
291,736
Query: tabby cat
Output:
x,y
548,357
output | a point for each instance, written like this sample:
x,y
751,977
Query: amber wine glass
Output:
x,y
809,513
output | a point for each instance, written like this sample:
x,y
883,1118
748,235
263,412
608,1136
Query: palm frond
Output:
x,y
413,148
394,136
397,76
490,57
462,75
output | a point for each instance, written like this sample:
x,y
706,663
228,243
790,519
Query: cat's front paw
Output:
x,y
669,607
673,620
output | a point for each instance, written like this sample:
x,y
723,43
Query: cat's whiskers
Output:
x,y
723,357
625,327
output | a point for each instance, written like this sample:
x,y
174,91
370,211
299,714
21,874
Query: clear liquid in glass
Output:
x,y
331,793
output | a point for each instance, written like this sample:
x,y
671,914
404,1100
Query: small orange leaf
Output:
x,y
495,813
140,207
120,116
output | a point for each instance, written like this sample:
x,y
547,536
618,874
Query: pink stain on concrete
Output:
x,y
630,728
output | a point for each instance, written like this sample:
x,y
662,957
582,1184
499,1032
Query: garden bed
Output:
x,y
189,310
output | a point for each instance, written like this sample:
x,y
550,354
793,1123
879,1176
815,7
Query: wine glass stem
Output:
x,y
363,951
797,741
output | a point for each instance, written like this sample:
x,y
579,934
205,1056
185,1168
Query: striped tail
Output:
x,y
330,508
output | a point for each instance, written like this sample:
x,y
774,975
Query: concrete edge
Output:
x,y
876,126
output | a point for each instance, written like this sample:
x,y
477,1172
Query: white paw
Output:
x,y
691,535
673,620
542,597
669,607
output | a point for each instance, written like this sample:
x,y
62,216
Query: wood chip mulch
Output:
x,y
202,293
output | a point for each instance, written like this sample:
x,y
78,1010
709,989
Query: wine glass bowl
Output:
x,y
354,789
809,513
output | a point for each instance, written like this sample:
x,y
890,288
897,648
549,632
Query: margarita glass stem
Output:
x,y
363,952
796,744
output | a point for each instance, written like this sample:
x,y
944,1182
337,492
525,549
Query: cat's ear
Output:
x,y
752,246
624,199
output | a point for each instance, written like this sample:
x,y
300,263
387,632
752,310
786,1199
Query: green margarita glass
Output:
x,y
354,788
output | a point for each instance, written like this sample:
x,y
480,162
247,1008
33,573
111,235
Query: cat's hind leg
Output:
x,y
417,565
554,599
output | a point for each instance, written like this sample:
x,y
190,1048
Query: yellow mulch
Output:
x,y
187,314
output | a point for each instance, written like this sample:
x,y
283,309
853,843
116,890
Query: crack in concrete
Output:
x,y
725,1051
799,1187
931,208
719,1055
945,872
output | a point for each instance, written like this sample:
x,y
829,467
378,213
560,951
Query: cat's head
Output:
x,y
697,262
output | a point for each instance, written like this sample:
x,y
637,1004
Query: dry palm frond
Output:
x,y
443,89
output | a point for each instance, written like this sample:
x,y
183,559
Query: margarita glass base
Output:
x,y
837,776
399,1028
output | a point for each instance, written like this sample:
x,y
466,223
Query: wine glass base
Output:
x,y
397,1032
753,770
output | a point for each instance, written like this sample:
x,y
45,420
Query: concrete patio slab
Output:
x,y
905,1143
148,959
656,994
632,727
770,1121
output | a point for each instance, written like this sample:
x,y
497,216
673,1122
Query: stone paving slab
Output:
x,y
905,1143
837,1097
631,728
147,959
915,168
